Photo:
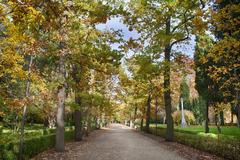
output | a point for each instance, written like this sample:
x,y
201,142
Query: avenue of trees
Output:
x,y
160,75
58,69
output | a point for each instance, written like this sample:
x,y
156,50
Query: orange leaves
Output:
x,y
15,105
2,114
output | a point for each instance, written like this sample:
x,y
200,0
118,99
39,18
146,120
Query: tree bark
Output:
x,y
206,117
217,123
134,116
141,125
167,89
221,118
238,107
61,108
148,113
78,125
238,116
27,94
156,111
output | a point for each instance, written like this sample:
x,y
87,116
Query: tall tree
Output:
x,y
203,82
164,24
224,54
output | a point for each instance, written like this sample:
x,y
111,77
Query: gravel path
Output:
x,y
117,142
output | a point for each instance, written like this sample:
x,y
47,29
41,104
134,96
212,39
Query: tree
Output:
x,y
224,53
203,82
164,24
184,93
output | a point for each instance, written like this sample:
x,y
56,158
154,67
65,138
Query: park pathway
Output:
x,y
116,142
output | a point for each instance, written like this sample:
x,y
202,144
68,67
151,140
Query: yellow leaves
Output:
x,y
199,13
227,19
199,24
10,64
218,107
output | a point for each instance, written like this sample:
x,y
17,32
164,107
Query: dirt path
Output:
x,y
117,142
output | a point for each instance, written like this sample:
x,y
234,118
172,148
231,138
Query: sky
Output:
x,y
116,24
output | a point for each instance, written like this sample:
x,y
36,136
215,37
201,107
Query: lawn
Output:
x,y
194,129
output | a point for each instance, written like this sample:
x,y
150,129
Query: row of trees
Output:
x,y
55,62
157,70
52,54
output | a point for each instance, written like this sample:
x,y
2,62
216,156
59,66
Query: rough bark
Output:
x,y
59,146
148,113
167,90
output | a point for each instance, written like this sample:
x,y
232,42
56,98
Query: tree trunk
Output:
x,y
61,108
238,116
217,123
238,107
89,127
221,118
78,117
141,125
27,94
135,114
78,125
167,89
148,113
134,117
206,117
156,111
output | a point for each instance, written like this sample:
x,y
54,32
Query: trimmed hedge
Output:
x,y
32,146
221,145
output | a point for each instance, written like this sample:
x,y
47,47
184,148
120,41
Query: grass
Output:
x,y
196,129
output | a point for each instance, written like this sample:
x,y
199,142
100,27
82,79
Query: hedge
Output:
x,y
32,146
222,145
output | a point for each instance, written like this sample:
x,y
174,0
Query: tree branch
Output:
x,y
179,40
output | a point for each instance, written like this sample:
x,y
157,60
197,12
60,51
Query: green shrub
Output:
x,y
189,117
222,145
32,146
1,129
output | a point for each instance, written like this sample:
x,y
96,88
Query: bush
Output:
x,y
189,117
222,145
1,129
32,146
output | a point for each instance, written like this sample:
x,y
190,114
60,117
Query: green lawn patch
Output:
x,y
226,145
195,129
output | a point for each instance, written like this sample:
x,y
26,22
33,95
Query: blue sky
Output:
x,y
116,24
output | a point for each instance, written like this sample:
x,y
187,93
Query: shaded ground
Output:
x,y
119,142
